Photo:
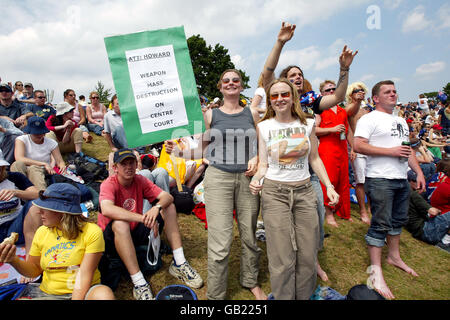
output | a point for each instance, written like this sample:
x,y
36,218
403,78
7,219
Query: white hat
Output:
x,y
63,107
3,162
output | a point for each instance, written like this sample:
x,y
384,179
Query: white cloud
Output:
x,y
392,4
366,77
416,20
443,14
430,68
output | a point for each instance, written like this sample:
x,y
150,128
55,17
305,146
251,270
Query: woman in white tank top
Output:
x,y
287,145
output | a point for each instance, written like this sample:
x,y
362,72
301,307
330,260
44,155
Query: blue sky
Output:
x,y
59,44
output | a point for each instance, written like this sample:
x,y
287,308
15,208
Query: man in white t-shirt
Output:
x,y
379,135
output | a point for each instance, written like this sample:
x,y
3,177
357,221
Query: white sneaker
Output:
x,y
186,273
143,292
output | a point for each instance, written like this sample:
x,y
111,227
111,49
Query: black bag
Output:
x,y
89,168
363,292
176,292
112,269
183,200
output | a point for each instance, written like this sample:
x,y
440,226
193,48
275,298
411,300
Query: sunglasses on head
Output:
x,y
234,80
357,90
330,89
274,96
44,197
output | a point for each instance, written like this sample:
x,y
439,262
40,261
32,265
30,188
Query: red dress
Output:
x,y
334,154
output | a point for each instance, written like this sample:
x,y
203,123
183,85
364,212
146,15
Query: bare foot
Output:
x,y
331,221
322,274
398,262
258,293
365,218
377,283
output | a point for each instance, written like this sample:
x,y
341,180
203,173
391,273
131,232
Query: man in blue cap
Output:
x,y
12,110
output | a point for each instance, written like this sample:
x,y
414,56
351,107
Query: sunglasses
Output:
x,y
19,85
71,95
44,197
274,96
41,97
330,89
227,80
357,90
5,90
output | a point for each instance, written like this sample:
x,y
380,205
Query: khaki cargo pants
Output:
x,y
292,237
224,192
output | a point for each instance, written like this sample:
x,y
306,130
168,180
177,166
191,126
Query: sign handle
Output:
x,y
177,174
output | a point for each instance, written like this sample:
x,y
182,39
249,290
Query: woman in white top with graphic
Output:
x,y
287,146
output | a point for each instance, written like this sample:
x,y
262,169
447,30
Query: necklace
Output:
x,y
57,234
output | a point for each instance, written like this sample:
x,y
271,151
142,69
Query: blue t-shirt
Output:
x,y
44,111
15,110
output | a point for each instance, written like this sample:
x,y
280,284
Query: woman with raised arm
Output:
x,y
231,141
287,147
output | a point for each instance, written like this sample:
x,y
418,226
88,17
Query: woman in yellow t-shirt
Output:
x,y
66,250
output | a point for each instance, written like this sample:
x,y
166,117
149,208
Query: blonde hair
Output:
x,y
324,83
72,225
353,86
93,92
296,109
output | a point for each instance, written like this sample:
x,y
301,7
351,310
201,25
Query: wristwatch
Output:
x,y
158,206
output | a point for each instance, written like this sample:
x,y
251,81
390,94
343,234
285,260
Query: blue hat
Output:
x,y
60,197
35,125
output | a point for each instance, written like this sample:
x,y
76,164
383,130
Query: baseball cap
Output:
x,y
27,84
122,154
5,85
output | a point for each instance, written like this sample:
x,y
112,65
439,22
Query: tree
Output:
x,y
446,89
208,64
104,94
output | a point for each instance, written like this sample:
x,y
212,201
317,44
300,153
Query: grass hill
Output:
x,y
344,258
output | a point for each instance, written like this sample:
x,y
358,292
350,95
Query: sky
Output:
x,y
59,44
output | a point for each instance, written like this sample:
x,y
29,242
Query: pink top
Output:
x,y
97,115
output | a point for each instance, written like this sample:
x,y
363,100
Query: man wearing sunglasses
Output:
x,y
12,110
333,130
39,108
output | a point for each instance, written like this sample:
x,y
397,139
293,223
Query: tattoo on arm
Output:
x,y
343,76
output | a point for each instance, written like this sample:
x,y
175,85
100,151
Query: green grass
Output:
x,y
344,258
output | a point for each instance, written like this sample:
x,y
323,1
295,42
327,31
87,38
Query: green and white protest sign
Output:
x,y
155,85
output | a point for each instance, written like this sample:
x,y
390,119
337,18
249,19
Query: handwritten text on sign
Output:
x,y
156,87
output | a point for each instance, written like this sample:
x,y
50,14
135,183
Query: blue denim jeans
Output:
x,y
389,200
436,228
95,128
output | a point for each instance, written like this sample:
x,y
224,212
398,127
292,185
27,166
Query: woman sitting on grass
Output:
x,y
66,250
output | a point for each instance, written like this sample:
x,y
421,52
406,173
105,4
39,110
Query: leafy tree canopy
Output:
x,y
208,63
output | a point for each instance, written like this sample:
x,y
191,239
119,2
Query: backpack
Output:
x,y
88,168
183,200
176,292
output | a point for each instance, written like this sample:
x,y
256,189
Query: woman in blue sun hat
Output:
x,y
66,250
34,152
